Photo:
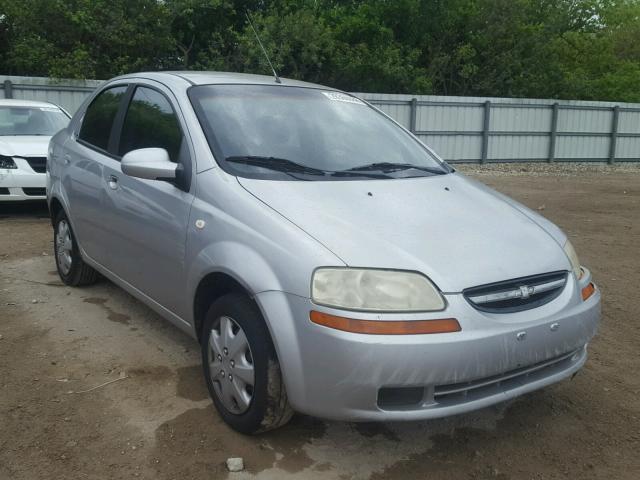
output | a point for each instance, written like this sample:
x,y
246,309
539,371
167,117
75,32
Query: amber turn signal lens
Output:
x,y
379,327
588,291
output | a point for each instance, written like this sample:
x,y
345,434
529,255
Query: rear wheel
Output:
x,y
71,268
241,368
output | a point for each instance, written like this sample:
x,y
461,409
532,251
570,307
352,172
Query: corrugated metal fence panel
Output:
x,y
512,146
584,148
582,121
629,122
518,129
457,147
628,148
449,119
446,118
69,94
520,119
460,129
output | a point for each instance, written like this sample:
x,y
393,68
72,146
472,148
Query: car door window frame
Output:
x,y
113,144
118,125
123,101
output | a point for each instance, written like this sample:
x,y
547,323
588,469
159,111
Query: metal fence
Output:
x,y
460,129
69,94
478,130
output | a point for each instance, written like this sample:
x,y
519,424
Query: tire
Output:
x,y
246,346
71,268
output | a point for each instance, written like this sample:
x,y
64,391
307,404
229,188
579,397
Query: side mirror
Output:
x,y
149,163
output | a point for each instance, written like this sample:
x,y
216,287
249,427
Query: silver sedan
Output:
x,y
325,259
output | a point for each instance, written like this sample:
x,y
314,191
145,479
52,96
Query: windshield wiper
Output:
x,y
394,167
355,173
275,163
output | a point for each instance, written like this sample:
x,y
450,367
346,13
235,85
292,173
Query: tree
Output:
x,y
583,49
84,38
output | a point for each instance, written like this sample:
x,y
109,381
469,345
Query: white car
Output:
x,y
25,130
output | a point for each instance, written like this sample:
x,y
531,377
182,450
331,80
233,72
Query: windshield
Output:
x,y
265,131
32,120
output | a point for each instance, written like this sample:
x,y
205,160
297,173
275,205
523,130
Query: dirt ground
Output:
x,y
57,344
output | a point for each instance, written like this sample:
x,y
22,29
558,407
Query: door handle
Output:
x,y
66,159
113,182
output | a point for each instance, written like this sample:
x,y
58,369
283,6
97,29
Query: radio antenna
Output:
x,y
262,47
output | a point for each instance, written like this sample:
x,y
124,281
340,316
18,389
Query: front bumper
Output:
x,y
21,183
339,375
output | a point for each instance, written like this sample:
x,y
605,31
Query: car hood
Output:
x,y
456,231
24,145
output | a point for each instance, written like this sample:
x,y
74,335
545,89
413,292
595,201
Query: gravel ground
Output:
x,y
548,169
59,347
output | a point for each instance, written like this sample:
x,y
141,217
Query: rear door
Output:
x,y
83,158
148,218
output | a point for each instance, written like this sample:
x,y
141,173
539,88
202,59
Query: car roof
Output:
x,y
5,102
212,78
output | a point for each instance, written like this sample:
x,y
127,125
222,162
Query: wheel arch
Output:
x,y
55,207
211,287
227,267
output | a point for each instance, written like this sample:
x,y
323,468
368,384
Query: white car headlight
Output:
x,y
573,259
375,290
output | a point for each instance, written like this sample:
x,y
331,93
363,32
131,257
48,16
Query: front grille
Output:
x,y
38,164
457,393
4,191
518,294
35,191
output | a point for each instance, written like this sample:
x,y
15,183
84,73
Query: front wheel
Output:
x,y
241,367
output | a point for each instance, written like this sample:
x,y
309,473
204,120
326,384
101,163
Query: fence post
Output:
x,y
8,89
485,132
554,132
413,115
614,134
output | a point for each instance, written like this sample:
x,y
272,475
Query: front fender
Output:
x,y
237,260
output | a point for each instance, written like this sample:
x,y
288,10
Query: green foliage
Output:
x,y
301,44
585,49
84,38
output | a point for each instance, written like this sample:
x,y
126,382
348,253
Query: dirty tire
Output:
x,y
269,407
80,273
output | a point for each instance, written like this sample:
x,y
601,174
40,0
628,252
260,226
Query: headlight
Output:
x,y
374,290
573,259
7,162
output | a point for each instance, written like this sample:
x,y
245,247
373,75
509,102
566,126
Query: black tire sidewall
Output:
x,y
247,315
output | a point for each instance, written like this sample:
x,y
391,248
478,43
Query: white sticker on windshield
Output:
x,y
341,97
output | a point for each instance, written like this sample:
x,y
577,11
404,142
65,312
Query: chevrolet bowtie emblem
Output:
x,y
525,292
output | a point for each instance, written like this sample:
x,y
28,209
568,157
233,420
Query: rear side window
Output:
x,y
98,119
151,122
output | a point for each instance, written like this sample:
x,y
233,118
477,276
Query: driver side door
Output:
x,y
148,218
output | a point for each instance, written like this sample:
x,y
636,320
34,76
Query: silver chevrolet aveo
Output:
x,y
326,260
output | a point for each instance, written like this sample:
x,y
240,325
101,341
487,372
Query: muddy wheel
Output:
x,y
241,367
71,268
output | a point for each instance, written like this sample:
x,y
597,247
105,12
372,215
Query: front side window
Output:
x,y
45,121
98,119
151,122
279,132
